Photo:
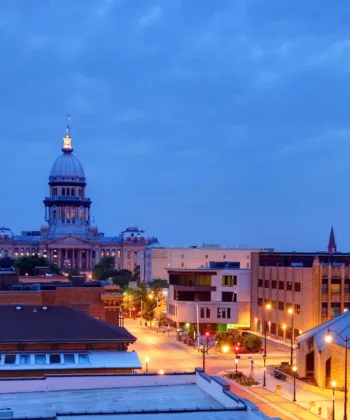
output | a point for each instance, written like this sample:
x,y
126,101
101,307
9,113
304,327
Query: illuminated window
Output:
x,y
118,253
129,255
68,358
24,359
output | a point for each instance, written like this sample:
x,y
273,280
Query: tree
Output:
x,y
227,338
148,311
106,263
158,284
73,272
6,262
252,343
27,264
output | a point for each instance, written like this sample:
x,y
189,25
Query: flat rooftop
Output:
x,y
175,402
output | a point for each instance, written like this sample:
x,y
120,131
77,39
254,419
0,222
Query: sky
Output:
x,y
199,121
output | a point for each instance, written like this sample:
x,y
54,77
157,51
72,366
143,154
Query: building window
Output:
x,y
129,266
202,312
228,313
297,309
273,328
248,265
260,282
63,191
40,359
72,193
267,283
54,359
83,358
218,312
135,255
297,287
273,303
227,296
335,285
128,255
260,302
207,310
223,313
324,309
289,286
347,286
335,309
281,285
229,280
68,192
118,253
274,284
55,191
281,306
324,286
206,256
24,359
182,264
10,359
224,257
68,359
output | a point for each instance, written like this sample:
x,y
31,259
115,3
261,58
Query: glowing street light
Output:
x,y
146,361
225,349
161,372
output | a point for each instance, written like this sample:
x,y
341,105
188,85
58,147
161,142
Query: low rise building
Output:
x,y
138,397
212,298
159,259
41,340
321,360
301,290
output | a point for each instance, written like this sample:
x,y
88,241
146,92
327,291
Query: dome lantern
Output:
x,y
67,140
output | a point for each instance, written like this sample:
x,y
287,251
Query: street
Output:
x,y
173,356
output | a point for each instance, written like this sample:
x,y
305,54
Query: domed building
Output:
x,y
68,237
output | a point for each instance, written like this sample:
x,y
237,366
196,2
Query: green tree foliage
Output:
x,y
158,284
105,264
74,272
27,264
252,343
148,312
227,338
132,299
6,262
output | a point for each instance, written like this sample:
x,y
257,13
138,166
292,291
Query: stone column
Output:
x,y
59,259
73,258
88,259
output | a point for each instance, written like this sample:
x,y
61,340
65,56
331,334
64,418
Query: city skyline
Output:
x,y
197,122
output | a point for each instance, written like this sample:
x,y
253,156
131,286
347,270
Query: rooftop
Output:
x,y
58,324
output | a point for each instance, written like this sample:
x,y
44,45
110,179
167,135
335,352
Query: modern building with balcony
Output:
x,y
302,289
213,298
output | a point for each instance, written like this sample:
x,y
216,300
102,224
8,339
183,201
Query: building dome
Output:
x,y
67,168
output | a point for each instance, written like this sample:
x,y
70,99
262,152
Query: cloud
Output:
x,y
152,16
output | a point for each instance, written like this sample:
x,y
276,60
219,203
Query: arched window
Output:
x,y
118,253
129,255
129,266
108,253
33,251
5,253
113,252
102,252
27,251
135,255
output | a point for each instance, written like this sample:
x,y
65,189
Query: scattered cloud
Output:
x,y
153,15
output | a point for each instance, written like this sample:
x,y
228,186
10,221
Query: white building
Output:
x,y
212,299
158,259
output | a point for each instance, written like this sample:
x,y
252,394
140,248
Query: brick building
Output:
x,y
39,340
99,302
303,289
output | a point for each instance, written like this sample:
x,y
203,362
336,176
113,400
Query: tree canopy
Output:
x,y
27,264
6,262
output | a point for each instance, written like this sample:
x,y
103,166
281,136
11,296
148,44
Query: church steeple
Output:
x,y
332,246
67,140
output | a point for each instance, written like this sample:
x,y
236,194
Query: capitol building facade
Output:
x,y
68,237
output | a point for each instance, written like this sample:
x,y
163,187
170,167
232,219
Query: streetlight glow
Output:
x,y
268,306
334,384
161,372
328,338
284,326
290,311
294,368
146,359
225,349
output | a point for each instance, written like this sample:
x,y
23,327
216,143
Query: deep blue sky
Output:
x,y
218,121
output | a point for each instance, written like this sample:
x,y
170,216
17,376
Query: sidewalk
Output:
x,y
301,408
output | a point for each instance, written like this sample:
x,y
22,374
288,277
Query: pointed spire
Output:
x,y
332,246
67,140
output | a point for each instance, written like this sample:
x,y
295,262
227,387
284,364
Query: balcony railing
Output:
x,y
67,198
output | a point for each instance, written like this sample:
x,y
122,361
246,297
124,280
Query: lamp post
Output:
x,y
146,361
329,339
294,390
291,312
205,349
334,384
267,308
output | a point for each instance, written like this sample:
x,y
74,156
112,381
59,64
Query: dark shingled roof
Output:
x,y
57,324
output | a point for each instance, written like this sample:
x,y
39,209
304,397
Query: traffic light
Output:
x,y
207,334
237,348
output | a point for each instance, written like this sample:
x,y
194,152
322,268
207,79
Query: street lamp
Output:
x,y
291,312
161,372
267,308
328,338
146,361
205,350
294,390
334,384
